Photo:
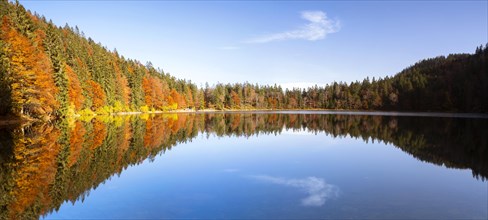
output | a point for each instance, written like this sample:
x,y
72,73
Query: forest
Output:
x,y
45,164
49,71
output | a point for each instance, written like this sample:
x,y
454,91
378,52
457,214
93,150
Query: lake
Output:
x,y
280,165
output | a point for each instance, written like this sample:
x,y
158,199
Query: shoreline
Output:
x,y
318,111
12,121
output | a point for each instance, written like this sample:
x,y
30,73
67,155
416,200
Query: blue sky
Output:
x,y
288,43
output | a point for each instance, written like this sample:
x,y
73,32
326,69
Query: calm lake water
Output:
x,y
297,165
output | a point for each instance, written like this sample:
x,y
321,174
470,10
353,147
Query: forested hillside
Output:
x,y
48,71
54,71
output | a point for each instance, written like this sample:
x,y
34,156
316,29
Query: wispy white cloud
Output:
x,y
229,48
317,189
317,28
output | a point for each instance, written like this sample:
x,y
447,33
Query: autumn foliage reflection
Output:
x,y
44,165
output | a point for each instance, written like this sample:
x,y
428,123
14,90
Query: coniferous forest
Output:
x,y
47,72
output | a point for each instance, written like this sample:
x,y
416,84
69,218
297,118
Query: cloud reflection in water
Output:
x,y
317,189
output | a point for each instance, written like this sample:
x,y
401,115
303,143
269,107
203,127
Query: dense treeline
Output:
x,y
48,71
456,83
44,165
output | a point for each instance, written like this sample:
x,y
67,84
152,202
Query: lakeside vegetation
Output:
x,y
50,72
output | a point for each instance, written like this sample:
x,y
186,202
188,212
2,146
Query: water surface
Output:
x,y
249,166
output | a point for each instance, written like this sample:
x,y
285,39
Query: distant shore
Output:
x,y
319,111
12,120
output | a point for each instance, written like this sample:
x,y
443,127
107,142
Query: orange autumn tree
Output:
x,y
155,91
174,99
97,95
74,88
160,90
45,81
29,73
148,91
180,100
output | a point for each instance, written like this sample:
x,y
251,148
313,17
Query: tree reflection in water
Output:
x,y
44,165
